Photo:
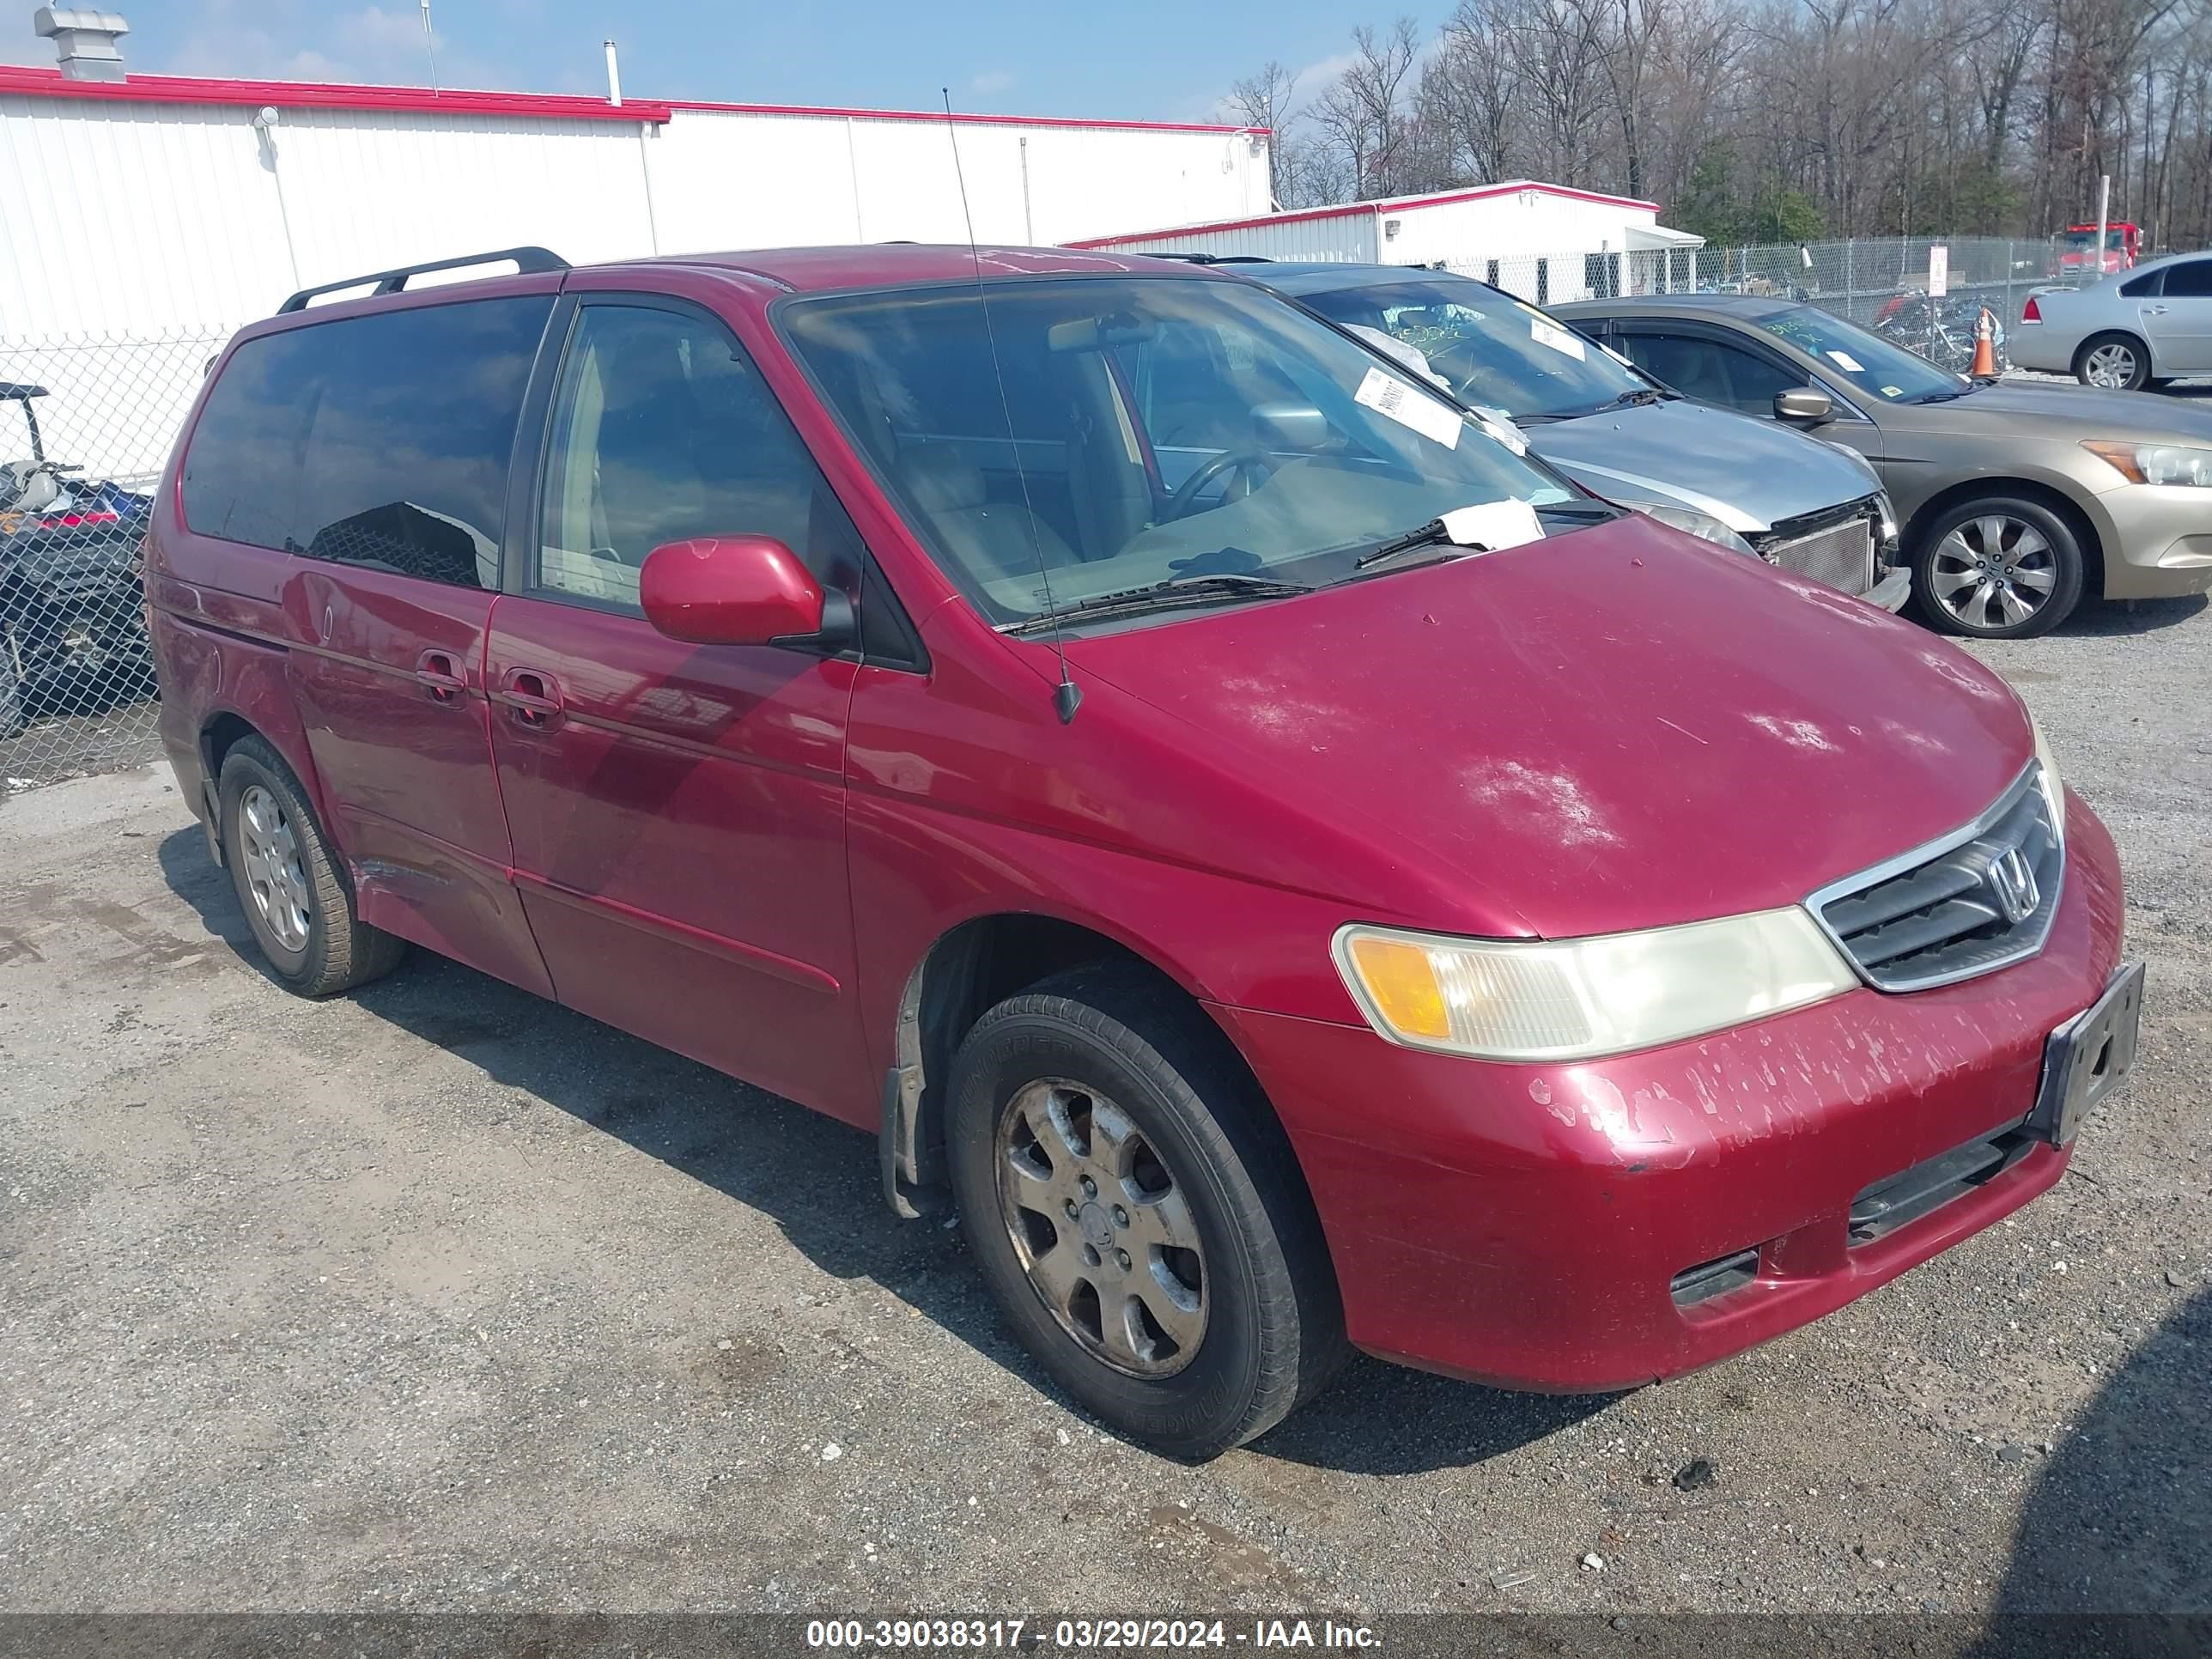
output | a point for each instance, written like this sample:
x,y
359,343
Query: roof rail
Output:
x,y
1216,258
527,260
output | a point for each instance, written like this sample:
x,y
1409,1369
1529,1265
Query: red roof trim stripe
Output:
x,y
968,118
1348,210
36,83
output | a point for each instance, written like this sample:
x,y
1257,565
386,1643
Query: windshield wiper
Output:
x,y
1635,396
1431,534
1940,396
1164,595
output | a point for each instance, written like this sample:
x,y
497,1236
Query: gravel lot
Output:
x,y
443,1297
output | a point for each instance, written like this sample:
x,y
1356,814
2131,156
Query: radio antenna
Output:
x,y
1067,695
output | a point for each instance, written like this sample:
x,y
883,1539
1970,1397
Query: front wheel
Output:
x,y
2002,568
2112,362
1136,1214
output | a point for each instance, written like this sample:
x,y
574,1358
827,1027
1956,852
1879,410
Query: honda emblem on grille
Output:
x,y
2012,883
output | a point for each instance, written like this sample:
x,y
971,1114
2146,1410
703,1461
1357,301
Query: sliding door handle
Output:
x,y
532,697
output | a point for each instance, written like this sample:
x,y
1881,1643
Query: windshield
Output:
x,y
1491,349
1139,430
2115,241
1870,362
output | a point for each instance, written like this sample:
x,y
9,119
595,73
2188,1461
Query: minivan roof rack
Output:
x,y
527,260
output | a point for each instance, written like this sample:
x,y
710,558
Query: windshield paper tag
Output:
x,y
1557,338
1387,395
1844,360
1493,524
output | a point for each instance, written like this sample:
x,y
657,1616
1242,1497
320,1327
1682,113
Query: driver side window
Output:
x,y
1711,372
663,430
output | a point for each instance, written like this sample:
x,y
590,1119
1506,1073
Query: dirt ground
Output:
x,y
442,1297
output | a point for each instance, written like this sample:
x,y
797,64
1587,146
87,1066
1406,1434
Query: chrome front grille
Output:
x,y
1841,555
1972,902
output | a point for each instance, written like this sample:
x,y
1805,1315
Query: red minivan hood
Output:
x,y
1616,728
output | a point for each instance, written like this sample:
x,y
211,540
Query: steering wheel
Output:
x,y
1254,466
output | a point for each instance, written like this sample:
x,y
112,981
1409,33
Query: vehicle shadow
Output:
x,y
817,1179
2112,1542
2113,616
1381,1418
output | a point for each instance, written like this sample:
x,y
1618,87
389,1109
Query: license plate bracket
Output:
x,y
2088,1057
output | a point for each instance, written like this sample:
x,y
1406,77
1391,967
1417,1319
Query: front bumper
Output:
x,y
2157,540
1526,1225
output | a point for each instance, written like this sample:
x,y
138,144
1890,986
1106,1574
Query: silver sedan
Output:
x,y
2131,332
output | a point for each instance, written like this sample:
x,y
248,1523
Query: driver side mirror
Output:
x,y
740,590
1807,403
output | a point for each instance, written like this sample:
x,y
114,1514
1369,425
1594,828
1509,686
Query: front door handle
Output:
x,y
2153,310
440,676
531,696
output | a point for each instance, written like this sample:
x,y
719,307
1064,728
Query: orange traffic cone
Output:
x,y
1985,347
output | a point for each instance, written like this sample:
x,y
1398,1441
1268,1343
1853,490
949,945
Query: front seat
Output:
x,y
992,538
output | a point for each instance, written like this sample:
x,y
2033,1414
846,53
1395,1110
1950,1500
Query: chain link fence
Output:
x,y
1881,284
85,427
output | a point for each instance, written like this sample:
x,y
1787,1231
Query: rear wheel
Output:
x,y
296,898
2001,568
1136,1214
2112,362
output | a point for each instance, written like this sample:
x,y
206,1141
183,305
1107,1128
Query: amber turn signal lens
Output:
x,y
1403,985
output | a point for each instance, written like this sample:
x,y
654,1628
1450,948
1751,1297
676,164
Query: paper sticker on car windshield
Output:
x,y
1557,338
1844,360
1387,395
1892,391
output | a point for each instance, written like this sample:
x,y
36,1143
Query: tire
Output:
x,y
296,897
1108,1044
2112,361
1973,566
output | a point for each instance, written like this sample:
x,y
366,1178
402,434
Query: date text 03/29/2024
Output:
x,y
1084,1635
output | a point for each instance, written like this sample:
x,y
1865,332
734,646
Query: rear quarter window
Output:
x,y
380,441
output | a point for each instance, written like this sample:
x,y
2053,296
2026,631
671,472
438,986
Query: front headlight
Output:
x,y
1888,511
1579,999
2156,464
2054,790
1703,526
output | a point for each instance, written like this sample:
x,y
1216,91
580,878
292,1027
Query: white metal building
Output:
x,y
166,201
1546,242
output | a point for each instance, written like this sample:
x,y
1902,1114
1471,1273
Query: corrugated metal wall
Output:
x,y
1336,238
722,180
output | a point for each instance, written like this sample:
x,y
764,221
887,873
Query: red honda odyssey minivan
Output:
x,y
1293,871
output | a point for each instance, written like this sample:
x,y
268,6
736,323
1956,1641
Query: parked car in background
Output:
x,y
72,621
1794,501
2016,498
1355,889
2130,333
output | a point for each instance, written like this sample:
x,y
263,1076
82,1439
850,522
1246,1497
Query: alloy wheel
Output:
x,y
270,853
1993,572
1101,1227
2112,366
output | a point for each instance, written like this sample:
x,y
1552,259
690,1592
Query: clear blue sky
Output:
x,y
1132,59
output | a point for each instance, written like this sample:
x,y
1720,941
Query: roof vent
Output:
x,y
84,40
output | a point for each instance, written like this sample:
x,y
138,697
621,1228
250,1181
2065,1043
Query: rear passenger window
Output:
x,y
381,441
2189,280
